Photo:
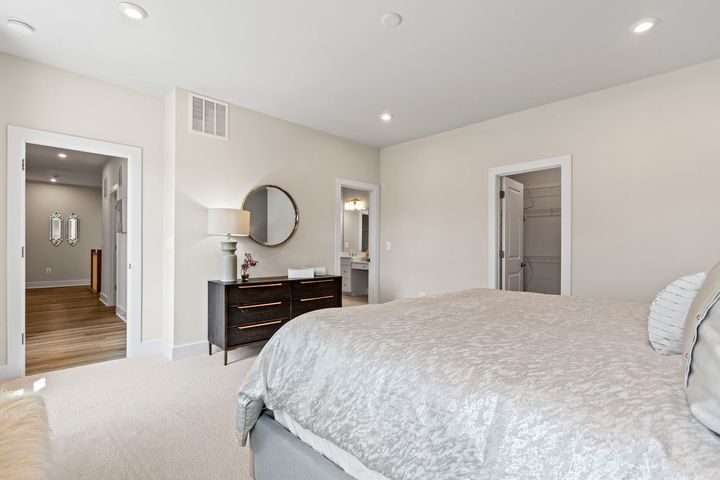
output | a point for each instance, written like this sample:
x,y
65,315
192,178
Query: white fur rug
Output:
x,y
24,438
145,418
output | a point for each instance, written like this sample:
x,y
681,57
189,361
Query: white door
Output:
x,y
511,206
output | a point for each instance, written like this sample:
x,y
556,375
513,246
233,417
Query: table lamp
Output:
x,y
229,222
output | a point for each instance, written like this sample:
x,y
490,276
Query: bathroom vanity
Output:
x,y
354,275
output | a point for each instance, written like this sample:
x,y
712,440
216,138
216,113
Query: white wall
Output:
x,y
70,264
46,98
260,150
646,164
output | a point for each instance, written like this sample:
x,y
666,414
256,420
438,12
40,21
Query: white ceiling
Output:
x,y
331,65
78,168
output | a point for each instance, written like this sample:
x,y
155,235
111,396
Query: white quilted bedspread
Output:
x,y
482,384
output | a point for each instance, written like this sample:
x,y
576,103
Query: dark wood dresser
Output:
x,y
245,312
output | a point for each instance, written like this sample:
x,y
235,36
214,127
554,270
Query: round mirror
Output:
x,y
273,215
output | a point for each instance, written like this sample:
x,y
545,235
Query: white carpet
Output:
x,y
146,418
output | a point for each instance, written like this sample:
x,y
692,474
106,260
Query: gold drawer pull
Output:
x,y
316,281
274,322
241,307
261,286
316,298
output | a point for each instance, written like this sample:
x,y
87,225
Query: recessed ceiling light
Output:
x,y
391,20
644,25
62,155
386,117
20,26
133,11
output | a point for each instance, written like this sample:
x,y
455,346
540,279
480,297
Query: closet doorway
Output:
x,y
529,225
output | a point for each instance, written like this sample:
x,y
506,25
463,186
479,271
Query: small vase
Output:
x,y
245,277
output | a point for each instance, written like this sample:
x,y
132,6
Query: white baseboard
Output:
x,y
7,372
104,299
174,352
151,347
180,352
121,314
58,283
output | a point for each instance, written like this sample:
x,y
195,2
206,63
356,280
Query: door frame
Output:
x,y
564,162
17,138
373,233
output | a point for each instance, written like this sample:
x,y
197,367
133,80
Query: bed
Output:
x,y
478,384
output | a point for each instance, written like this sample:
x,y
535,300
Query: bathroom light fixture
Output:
x,y
133,11
20,27
62,155
54,179
355,204
644,25
386,117
391,20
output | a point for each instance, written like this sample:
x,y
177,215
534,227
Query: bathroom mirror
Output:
x,y
274,216
56,229
73,229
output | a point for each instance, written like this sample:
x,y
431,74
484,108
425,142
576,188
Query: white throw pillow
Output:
x,y
668,313
702,353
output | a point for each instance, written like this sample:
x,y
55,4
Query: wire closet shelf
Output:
x,y
542,201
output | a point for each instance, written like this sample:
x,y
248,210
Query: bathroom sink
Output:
x,y
360,259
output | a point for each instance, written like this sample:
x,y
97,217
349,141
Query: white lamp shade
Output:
x,y
228,221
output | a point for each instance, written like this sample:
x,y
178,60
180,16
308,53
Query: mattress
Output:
x,y
485,384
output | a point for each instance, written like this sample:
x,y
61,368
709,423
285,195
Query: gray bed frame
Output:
x,y
277,454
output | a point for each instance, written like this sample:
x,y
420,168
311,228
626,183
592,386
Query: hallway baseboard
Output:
x,y
58,283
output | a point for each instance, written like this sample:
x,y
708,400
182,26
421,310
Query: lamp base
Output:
x,y
229,260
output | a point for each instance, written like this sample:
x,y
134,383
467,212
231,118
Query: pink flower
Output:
x,y
248,262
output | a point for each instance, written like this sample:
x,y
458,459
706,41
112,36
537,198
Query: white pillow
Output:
x,y
668,312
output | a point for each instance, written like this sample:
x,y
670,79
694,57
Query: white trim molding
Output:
x,y
17,138
563,162
58,283
373,235
181,352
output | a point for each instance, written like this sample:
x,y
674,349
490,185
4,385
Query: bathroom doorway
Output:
x,y
356,241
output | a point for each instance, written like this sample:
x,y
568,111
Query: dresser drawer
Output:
x,y
255,294
252,333
313,288
305,305
261,312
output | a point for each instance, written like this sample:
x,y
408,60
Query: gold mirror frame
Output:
x,y
295,207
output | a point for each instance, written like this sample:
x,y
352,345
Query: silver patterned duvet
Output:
x,y
482,384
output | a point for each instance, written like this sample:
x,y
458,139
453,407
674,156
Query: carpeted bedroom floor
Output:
x,y
145,418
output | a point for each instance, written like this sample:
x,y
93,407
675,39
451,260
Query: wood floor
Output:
x,y
348,301
67,327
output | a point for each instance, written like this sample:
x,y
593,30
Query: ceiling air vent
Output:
x,y
208,117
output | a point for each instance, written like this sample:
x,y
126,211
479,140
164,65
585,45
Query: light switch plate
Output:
x,y
388,245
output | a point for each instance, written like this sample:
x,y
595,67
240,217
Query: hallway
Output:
x,y
67,327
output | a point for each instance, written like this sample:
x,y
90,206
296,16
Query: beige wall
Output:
x,y
68,263
646,164
46,98
216,173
